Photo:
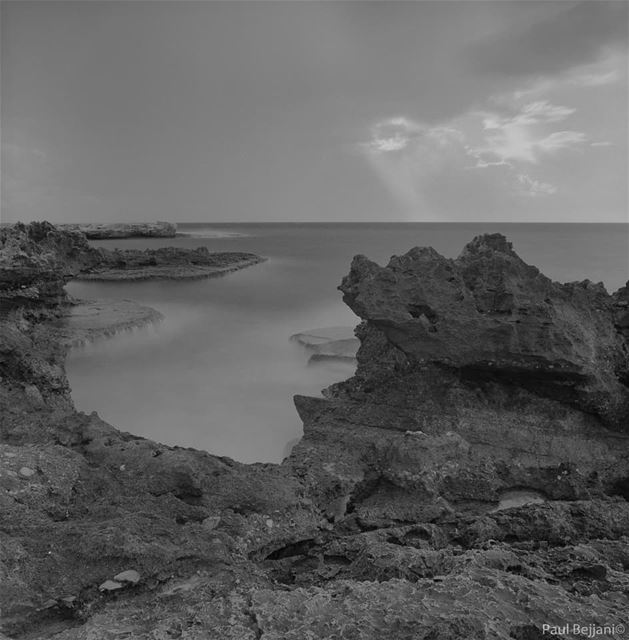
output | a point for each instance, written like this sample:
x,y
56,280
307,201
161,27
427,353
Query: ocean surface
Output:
x,y
220,371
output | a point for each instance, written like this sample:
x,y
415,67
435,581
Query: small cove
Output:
x,y
220,371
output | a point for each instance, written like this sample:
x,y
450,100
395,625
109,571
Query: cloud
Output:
x,y
405,153
477,157
562,40
599,79
524,136
427,168
612,69
532,187
513,148
560,140
393,134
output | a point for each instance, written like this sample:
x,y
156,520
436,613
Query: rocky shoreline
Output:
x,y
103,231
166,263
477,378
86,321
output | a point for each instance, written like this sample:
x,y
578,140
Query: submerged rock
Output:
x,y
329,344
88,320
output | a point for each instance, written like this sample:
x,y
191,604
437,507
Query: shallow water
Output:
x,y
219,373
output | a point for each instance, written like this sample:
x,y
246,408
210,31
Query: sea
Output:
x,y
220,372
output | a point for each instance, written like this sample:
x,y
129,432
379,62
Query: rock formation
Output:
x,y
86,321
36,261
478,380
171,263
489,315
97,231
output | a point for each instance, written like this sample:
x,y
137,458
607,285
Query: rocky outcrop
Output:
x,y
104,231
36,261
165,263
394,516
86,321
476,377
489,315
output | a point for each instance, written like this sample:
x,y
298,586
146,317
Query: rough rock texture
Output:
x,y
36,261
96,231
488,314
385,522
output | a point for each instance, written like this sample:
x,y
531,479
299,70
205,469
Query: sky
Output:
x,y
459,110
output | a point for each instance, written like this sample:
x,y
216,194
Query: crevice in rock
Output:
x,y
299,548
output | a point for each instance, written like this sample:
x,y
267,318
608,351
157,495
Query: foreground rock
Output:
x,y
103,231
392,518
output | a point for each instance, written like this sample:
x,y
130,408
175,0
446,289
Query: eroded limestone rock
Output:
x,y
385,520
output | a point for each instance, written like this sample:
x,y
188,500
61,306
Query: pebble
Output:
x,y
25,472
211,522
110,585
130,576
269,523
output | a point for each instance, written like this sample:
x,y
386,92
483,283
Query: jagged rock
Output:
x,y
490,316
103,231
621,312
36,261
472,354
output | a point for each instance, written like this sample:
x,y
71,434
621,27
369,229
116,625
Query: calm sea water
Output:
x,y
219,373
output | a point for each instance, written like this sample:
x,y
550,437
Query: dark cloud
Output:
x,y
569,37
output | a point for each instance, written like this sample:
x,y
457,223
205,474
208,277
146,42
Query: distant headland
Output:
x,y
106,231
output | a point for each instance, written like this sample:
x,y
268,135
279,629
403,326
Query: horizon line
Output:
x,y
326,222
